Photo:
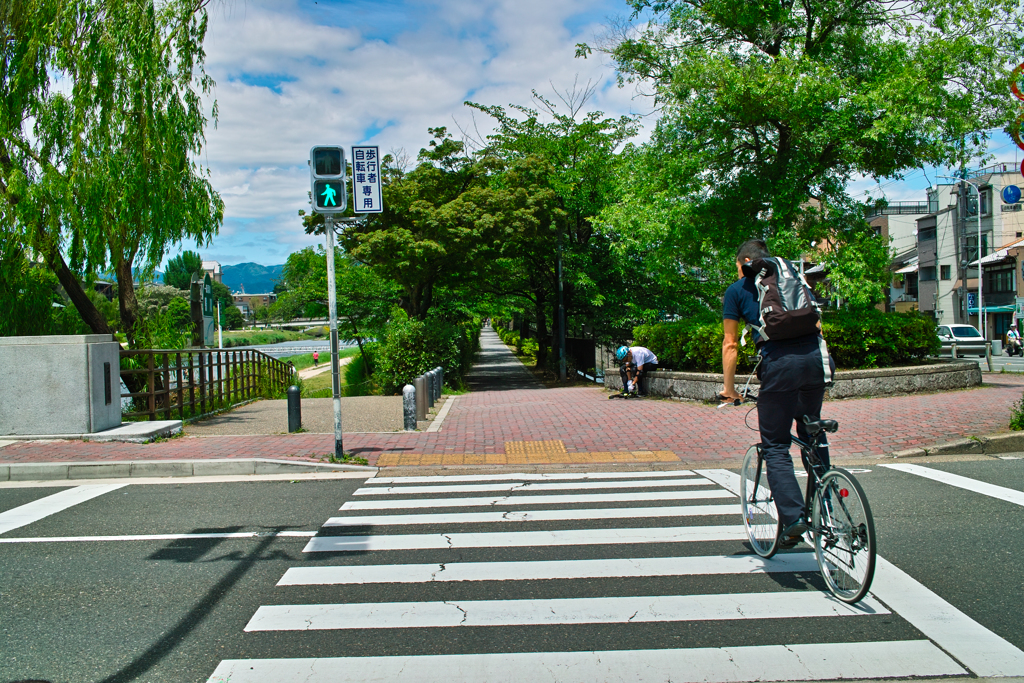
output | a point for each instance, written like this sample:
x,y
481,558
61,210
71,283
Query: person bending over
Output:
x,y
636,361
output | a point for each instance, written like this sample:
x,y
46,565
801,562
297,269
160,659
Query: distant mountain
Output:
x,y
253,277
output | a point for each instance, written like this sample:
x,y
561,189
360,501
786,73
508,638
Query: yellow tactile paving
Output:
x,y
551,456
535,448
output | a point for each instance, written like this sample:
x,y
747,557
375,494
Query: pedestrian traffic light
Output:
x,y
327,178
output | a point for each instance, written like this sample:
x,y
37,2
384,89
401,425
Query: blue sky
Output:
x,y
294,73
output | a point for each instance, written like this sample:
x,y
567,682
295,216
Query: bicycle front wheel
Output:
x,y
760,518
844,539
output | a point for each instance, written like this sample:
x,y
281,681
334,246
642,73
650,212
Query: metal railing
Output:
x,y
193,382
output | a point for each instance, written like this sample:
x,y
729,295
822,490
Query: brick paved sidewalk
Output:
x,y
580,425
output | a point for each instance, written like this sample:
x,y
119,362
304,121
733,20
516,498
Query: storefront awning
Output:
x,y
993,309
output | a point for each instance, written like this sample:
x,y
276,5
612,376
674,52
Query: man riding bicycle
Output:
x,y
792,374
636,361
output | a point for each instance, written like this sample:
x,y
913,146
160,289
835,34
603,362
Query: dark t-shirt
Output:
x,y
740,303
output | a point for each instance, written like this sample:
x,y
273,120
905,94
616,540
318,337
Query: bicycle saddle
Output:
x,y
817,426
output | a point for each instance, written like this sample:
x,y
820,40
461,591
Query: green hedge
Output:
x,y
411,347
865,339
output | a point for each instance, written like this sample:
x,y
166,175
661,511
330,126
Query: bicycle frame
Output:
x,y
812,465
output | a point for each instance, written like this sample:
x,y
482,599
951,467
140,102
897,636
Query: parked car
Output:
x,y
966,337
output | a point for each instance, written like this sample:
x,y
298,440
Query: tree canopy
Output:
x,y
769,109
181,268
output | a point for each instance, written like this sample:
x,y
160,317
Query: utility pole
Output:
x,y
332,304
561,315
981,270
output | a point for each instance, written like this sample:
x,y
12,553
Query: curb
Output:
x,y
49,471
980,445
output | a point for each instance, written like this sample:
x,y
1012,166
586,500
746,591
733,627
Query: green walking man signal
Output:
x,y
327,176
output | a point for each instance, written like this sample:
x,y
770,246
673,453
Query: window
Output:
x,y
971,249
912,285
1000,281
986,202
927,273
925,234
944,272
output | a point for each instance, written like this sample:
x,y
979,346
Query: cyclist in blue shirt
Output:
x,y
792,378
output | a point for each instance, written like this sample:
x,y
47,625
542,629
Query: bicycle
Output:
x,y
842,528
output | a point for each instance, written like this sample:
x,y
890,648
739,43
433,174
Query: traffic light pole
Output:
x,y
332,304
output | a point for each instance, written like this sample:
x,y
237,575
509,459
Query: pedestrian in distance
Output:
x,y
316,359
794,367
636,361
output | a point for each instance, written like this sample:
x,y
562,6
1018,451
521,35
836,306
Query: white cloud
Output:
x,y
293,74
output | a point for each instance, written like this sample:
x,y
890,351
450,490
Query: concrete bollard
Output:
x,y
988,355
431,387
420,385
952,351
409,407
294,409
440,380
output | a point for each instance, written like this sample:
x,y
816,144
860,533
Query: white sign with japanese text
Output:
x,y
366,197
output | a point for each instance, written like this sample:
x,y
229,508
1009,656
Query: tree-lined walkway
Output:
x,y
511,419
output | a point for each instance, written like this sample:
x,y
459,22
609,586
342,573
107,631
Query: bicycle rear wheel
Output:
x,y
844,542
760,518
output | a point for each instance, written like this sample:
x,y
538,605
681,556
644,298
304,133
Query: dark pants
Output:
x,y
792,386
639,373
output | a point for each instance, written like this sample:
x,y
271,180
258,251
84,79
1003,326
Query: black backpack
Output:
x,y
787,305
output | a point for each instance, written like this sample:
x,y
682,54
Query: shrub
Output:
x,y
872,339
411,347
1017,415
864,339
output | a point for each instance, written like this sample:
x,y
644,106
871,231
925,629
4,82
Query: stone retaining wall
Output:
x,y
704,386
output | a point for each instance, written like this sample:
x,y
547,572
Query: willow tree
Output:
x,y
770,108
101,139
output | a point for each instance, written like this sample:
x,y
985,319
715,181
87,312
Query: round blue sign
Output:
x,y
1011,194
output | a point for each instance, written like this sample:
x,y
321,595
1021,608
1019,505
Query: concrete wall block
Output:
x,y
214,468
38,472
701,386
5,473
100,470
55,385
161,469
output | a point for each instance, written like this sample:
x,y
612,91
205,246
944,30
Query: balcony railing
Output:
x,y
897,209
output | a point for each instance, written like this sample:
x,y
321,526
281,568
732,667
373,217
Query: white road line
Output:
x,y
981,650
730,481
546,570
632,497
618,610
984,652
1000,492
527,487
157,537
797,662
519,539
536,515
523,476
28,513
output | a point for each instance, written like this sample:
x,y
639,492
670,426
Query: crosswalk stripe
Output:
x,y
518,539
529,486
545,570
613,610
794,662
535,515
489,501
966,483
526,476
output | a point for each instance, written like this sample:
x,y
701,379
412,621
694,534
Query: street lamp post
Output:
x,y
981,273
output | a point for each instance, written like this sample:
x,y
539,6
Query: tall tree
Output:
x,y
181,268
771,108
103,171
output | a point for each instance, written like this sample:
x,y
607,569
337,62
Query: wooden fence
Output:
x,y
193,382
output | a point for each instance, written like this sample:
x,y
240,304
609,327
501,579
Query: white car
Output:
x,y
966,337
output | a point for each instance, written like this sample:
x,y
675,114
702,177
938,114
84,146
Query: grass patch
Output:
x,y
348,459
305,360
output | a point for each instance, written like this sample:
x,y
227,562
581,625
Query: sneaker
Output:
x,y
797,528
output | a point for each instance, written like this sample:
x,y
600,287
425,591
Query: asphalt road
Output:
x,y
176,609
